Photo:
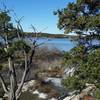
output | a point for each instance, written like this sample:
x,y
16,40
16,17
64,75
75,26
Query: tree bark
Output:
x,y
18,91
13,81
3,84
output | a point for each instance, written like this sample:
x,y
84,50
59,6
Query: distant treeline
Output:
x,y
13,34
49,35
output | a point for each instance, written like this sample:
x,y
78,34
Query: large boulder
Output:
x,y
84,95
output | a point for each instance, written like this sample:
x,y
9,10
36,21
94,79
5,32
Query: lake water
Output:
x,y
62,44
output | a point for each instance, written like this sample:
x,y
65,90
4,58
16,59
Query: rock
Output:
x,y
53,99
27,85
90,88
87,97
40,95
43,95
73,97
31,83
36,92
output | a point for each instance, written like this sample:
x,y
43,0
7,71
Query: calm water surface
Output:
x,y
62,44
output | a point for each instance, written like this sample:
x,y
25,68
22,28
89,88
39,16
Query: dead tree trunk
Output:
x,y
13,81
15,89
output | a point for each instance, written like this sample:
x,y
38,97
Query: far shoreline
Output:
x,y
50,35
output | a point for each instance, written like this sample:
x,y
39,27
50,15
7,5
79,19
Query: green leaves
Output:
x,y
76,55
6,26
4,21
79,17
82,15
93,21
73,83
2,53
80,1
4,17
21,45
87,67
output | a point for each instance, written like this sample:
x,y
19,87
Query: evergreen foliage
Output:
x,y
87,68
80,16
83,18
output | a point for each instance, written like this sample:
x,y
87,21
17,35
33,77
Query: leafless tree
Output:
x,y
15,88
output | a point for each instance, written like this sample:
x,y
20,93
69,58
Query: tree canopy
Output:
x,y
80,16
83,18
12,45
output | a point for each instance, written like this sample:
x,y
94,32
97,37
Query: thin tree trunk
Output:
x,y
18,92
13,81
3,84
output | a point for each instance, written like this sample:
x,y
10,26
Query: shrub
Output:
x,y
87,68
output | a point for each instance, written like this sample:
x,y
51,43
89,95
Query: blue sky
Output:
x,y
38,13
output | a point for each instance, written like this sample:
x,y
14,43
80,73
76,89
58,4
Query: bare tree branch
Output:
x,y
13,81
27,67
23,77
19,28
4,84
